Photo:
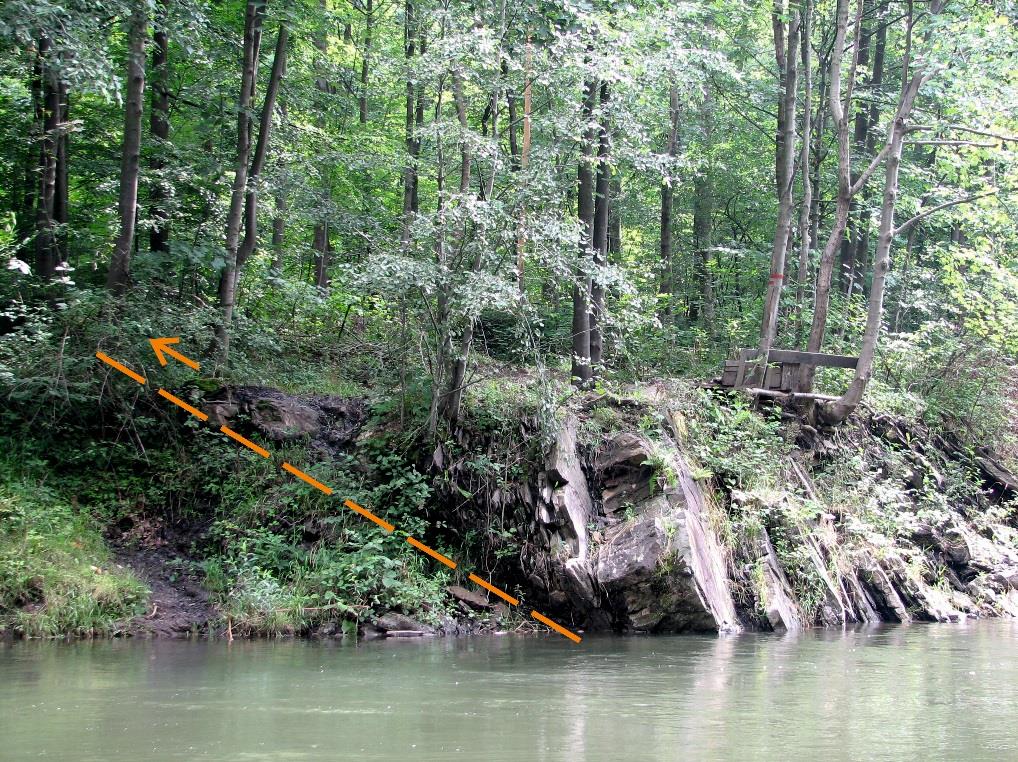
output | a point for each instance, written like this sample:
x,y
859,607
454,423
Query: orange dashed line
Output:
x,y
122,368
348,503
488,586
368,515
180,403
304,477
244,441
555,626
433,553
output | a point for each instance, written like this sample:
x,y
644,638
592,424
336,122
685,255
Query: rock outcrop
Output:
x,y
630,547
328,423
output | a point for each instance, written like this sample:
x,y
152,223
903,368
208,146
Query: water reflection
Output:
x,y
926,691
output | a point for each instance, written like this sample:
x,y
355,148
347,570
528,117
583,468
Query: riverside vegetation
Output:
x,y
475,267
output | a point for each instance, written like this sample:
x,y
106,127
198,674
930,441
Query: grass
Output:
x,y
56,574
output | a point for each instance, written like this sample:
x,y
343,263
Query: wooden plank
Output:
x,y
787,372
728,377
773,377
740,374
813,358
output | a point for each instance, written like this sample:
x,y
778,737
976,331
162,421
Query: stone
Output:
x,y
623,470
393,621
328,422
468,597
572,507
643,569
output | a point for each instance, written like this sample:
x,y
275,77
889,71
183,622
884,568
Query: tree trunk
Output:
x,y
839,113
865,141
412,141
362,98
61,191
667,201
120,267
279,216
524,161
784,163
805,237
247,246
47,113
602,204
581,370
702,305
253,16
839,410
159,126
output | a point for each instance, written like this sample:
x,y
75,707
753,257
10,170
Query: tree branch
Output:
x,y
903,227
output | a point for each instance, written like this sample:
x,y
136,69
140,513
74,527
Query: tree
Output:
x,y
120,266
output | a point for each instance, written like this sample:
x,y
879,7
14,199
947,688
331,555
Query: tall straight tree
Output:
x,y
46,95
602,207
159,127
127,206
253,16
581,370
668,200
786,51
805,232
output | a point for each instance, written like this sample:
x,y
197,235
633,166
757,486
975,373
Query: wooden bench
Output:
x,y
783,368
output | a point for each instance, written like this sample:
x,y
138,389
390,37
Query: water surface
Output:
x,y
917,692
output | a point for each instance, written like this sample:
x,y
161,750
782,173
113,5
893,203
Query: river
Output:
x,y
916,692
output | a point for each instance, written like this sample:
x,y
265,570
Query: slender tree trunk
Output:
x,y
47,100
805,237
250,240
524,161
839,113
602,205
362,97
253,16
412,141
279,215
784,163
466,158
581,370
702,305
866,141
320,240
159,126
843,407
667,200
61,192
120,267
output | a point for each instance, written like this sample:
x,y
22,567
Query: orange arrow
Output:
x,y
162,348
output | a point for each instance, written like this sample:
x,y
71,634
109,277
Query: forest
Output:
x,y
458,258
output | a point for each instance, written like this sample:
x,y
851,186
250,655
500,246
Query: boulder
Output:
x,y
468,597
329,423
394,622
644,569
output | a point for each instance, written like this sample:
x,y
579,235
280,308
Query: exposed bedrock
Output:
x,y
627,540
630,547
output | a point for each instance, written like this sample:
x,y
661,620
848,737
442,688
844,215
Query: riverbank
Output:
x,y
657,507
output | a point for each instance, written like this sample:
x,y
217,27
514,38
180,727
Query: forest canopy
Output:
x,y
607,191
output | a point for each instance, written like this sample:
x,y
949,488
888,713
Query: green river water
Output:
x,y
918,692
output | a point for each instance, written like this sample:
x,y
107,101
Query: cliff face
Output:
x,y
621,528
625,534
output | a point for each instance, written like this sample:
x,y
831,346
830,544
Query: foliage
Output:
x,y
56,575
